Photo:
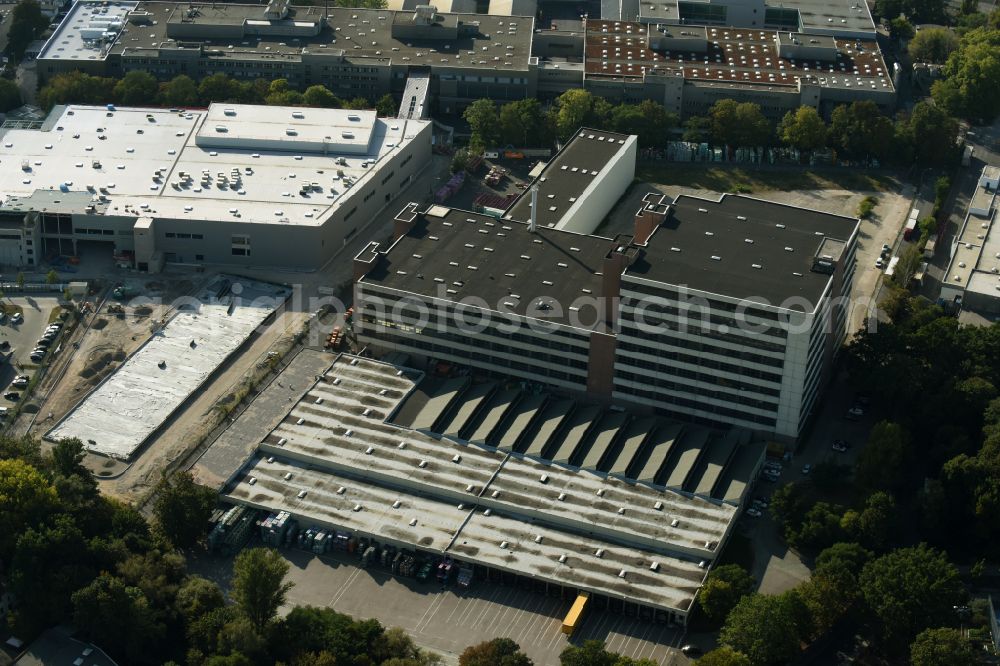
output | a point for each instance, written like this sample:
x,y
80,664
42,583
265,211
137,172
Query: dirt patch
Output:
x,y
143,311
99,324
96,366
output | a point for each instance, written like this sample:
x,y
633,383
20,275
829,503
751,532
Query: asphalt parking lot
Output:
x,y
447,621
24,336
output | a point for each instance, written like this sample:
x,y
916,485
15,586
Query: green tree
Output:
x,y
27,23
20,279
697,129
968,87
182,509
219,88
766,628
119,618
320,96
803,129
357,103
909,590
723,588
239,636
860,131
136,88
593,653
258,584
67,458
832,590
179,91
386,106
315,630
901,29
484,122
76,88
10,95
26,499
941,647
496,652
933,45
279,93
578,108
523,123
933,132
196,597
50,562
878,522
821,527
739,124
789,506
723,656
51,277
884,461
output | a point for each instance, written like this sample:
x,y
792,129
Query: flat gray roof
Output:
x,y
567,175
471,254
130,161
362,36
499,540
742,232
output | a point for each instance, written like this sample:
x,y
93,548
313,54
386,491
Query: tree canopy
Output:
x,y
909,590
724,656
969,87
932,45
27,23
723,588
941,647
739,124
766,628
182,509
803,129
496,652
258,584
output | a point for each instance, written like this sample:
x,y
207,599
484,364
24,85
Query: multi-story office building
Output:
x,y
685,64
722,312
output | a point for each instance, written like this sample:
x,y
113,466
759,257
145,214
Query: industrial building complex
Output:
x,y
233,184
972,280
726,312
484,475
685,55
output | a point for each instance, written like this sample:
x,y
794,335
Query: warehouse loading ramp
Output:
x,y
466,407
579,425
429,401
600,439
517,421
741,469
661,445
712,463
491,416
536,440
630,445
685,455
